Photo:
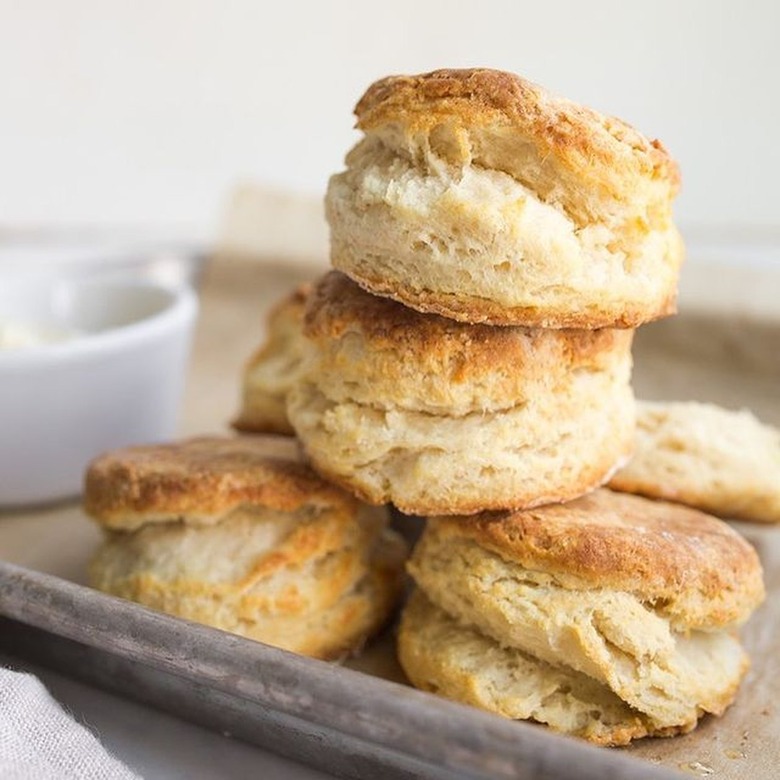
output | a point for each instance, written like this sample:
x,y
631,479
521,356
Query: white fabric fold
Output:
x,y
40,741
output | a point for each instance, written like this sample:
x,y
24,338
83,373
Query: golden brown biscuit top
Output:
x,y
337,305
685,562
579,136
204,478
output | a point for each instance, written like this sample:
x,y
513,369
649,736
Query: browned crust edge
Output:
x,y
203,476
577,135
482,311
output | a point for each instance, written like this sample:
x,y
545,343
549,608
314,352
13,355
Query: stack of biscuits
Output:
x,y
469,361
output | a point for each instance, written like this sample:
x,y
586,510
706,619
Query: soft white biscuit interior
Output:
x,y
468,229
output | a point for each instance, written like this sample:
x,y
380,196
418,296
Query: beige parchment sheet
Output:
x,y
725,357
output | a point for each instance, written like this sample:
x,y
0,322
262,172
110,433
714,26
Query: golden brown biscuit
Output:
x,y
273,368
437,416
640,596
722,461
480,196
237,535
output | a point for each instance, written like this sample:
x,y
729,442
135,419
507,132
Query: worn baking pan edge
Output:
x,y
344,721
227,714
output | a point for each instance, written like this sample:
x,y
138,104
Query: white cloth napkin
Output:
x,y
40,741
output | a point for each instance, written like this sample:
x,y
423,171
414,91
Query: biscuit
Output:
x,y
441,417
271,371
278,555
480,196
722,461
640,596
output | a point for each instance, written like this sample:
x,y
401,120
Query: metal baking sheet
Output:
x,y
363,720
350,722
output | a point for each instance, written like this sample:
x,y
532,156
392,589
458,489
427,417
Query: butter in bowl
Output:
x,y
87,364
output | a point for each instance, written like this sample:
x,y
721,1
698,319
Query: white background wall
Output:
x,y
148,111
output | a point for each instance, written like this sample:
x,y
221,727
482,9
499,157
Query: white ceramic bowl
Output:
x,y
117,381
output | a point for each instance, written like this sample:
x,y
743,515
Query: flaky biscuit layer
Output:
x,y
289,582
443,656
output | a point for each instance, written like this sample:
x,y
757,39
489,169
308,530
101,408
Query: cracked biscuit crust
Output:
x,y
605,151
297,581
201,480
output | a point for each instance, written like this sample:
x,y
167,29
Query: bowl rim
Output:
x,y
181,307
